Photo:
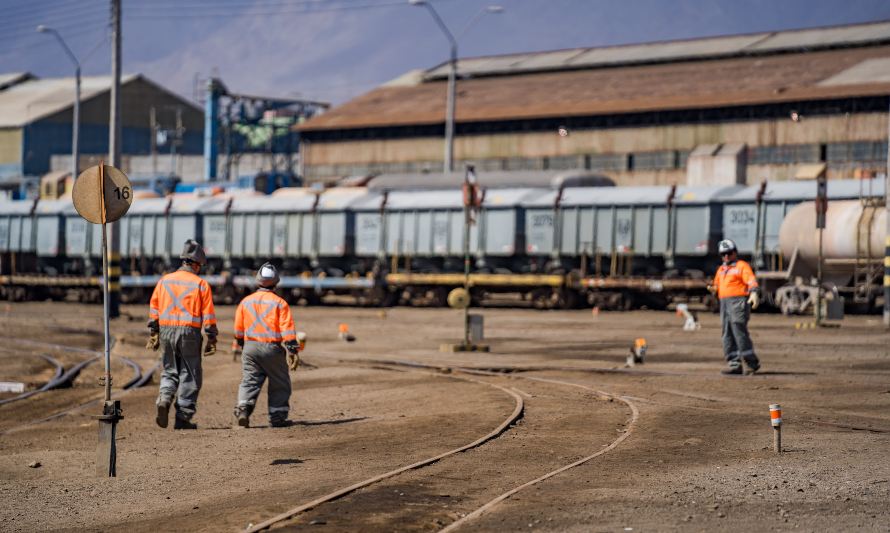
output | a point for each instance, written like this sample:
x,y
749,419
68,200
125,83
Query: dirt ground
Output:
x,y
697,457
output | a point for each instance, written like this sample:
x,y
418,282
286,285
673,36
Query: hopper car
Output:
x,y
573,241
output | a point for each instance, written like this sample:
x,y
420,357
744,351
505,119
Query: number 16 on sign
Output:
x,y
103,194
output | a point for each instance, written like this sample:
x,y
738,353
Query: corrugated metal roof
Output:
x,y
8,79
789,77
667,51
32,100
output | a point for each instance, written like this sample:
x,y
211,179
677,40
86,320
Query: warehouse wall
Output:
x,y
10,152
609,148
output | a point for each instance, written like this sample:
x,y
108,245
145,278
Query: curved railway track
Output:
x,y
291,513
517,413
487,507
66,379
59,370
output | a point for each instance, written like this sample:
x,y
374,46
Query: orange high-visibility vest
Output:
x,y
182,298
264,317
736,279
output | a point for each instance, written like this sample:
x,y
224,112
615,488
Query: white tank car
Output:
x,y
851,230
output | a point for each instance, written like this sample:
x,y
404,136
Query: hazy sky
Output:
x,y
334,50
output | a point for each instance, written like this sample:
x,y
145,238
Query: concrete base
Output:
x,y
461,347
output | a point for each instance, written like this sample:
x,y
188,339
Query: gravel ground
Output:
x,y
699,456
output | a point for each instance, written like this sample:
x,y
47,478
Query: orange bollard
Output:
x,y
595,311
775,416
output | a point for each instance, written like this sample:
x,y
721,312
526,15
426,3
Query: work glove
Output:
x,y
236,348
754,299
293,354
154,341
712,289
210,347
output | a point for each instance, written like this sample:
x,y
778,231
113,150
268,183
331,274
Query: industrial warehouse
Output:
x,y
728,110
624,287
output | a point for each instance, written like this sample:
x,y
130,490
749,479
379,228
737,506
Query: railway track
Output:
x,y
138,379
452,372
517,413
59,370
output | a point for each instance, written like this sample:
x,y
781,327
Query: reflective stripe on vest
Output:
x,y
184,317
252,332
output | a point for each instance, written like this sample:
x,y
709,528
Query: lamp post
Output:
x,y
452,73
75,147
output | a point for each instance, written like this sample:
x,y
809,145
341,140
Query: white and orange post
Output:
x,y
775,416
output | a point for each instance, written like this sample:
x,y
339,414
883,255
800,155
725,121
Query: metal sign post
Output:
x,y
103,194
460,297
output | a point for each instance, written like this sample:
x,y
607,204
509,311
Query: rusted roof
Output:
x,y
787,77
809,39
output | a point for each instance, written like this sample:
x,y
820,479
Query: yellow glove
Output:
x,y
154,342
754,299
210,347
293,360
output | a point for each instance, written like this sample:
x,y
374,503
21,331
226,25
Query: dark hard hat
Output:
x,y
194,252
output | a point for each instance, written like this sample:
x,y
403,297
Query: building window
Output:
x,y
663,160
565,162
606,162
786,154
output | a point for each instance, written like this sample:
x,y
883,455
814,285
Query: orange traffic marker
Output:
x,y
775,416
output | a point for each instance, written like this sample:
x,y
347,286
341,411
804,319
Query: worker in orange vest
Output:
x,y
182,304
267,338
736,287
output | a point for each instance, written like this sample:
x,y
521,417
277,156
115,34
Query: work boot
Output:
x,y
243,416
163,413
184,424
732,371
280,423
753,367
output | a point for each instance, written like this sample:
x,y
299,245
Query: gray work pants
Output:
x,y
737,345
261,360
181,356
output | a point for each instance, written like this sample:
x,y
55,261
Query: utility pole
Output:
x,y
114,156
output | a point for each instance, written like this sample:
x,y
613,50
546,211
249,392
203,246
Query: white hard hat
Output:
x,y
726,246
267,276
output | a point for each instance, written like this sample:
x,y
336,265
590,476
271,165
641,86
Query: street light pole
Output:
x,y
75,133
452,74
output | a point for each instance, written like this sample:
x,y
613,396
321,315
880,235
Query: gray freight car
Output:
x,y
278,227
16,232
752,216
144,236
624,231
424,230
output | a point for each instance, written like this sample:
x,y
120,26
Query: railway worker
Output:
x,y
736,287
181,304
266,336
